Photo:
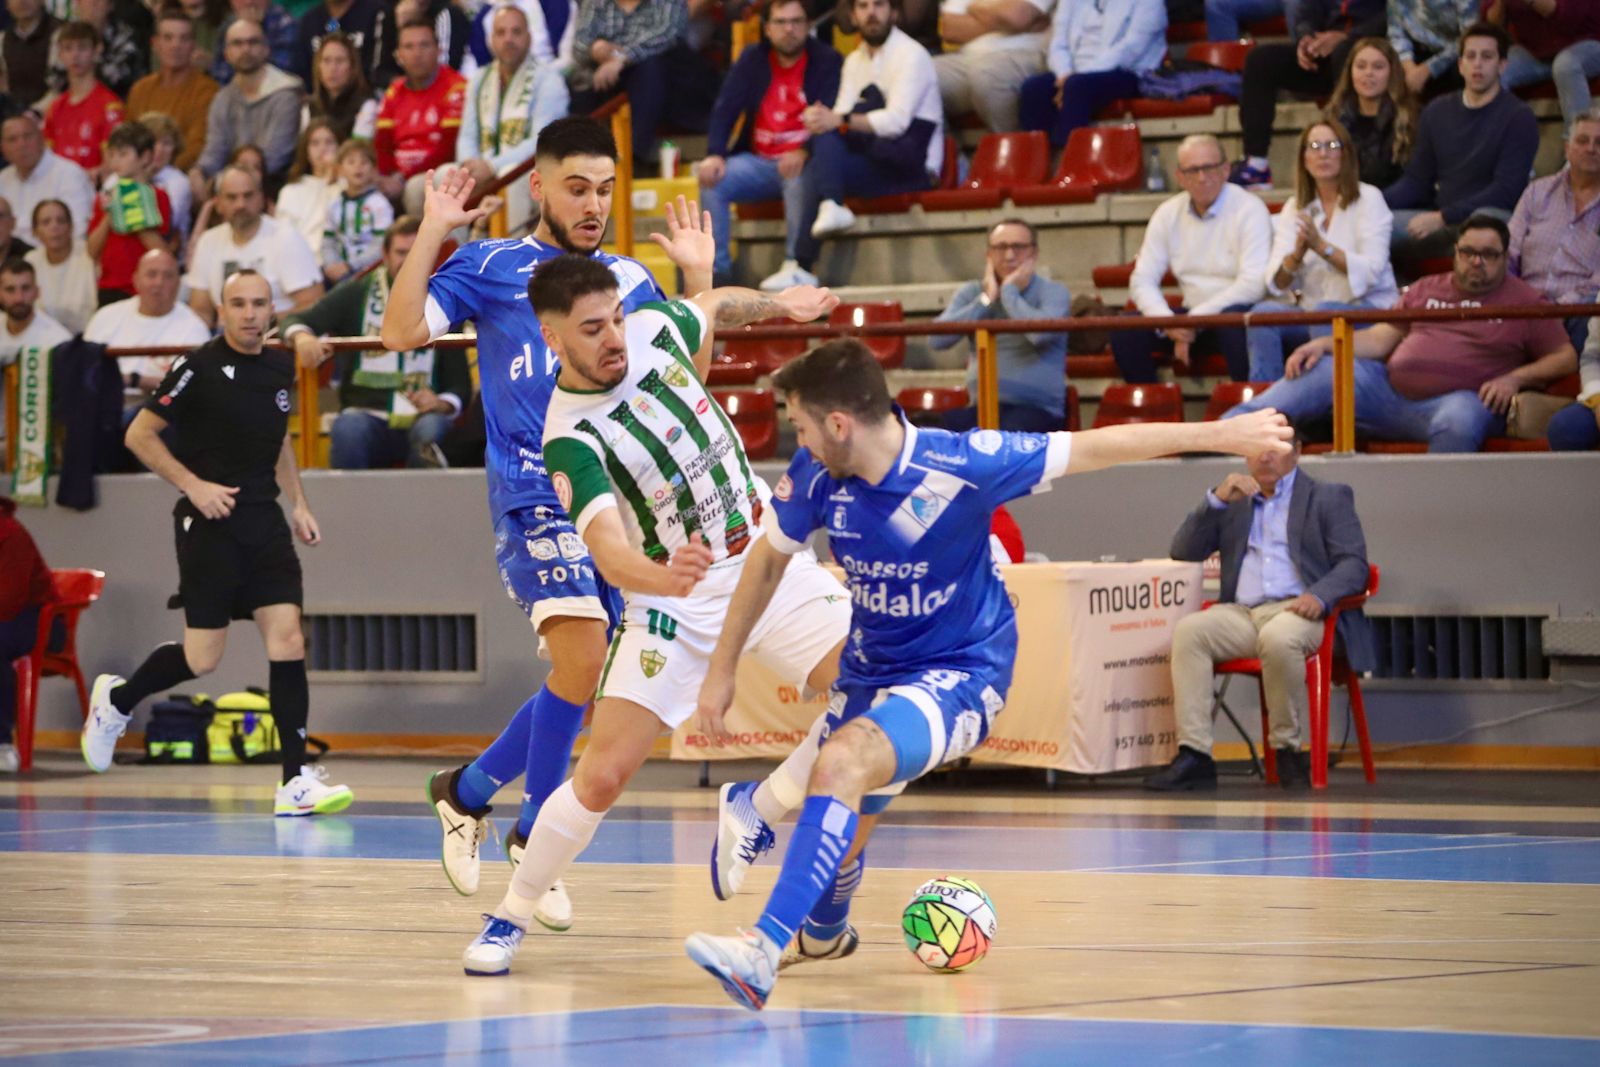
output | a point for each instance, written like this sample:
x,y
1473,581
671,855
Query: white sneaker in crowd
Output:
x,y
832,217
789,274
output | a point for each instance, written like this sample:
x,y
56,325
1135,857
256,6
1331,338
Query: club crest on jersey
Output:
x,y
542,548
839,516
925,507
986,441
646,408
784,489
651,662
283,401
563,487
675,377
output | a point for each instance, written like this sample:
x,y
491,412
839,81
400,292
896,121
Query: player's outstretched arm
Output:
x,y
763,570
629,569
732,306
1247,435
144,441
405,319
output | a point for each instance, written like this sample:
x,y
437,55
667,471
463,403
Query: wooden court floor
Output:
x,y
157,915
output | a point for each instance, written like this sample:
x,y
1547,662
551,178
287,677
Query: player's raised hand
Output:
x,y
688,242
1253,434
212,500
803,303
688,565
445,202
716,697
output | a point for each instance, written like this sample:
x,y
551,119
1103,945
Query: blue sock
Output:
x,y
832,913
820,839
498,764
554,730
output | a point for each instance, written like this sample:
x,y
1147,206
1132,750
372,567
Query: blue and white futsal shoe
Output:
x,y
742,838
492,951
746,965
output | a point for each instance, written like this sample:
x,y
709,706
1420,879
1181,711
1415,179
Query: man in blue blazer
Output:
x,y
756,145
1291,547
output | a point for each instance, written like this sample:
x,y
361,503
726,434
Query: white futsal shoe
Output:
x,y
554,910
746,965
832,217
308,793
104,726
742,838
492,951
806,949
464,833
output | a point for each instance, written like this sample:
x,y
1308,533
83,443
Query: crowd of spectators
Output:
x,y
152,137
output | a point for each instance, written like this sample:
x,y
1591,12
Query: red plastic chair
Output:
x,y
768,354
934,400
900,203
1074,421
1325,668
1229,395
1003,161
1224,55
1124,403
1120,276
727,371
754,413
1097,159
75,590
889,351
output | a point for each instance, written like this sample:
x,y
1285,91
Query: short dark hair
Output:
x,y
1502,39
78,31
772,5
16,265
404,226
419,24
576,135
135,135
562,281
841,375
1485,221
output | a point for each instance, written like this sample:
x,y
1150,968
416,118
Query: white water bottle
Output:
x,y
1155,179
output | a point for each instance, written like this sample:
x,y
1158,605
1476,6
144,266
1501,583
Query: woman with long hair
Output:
x,y
1330,244
1373,102
304,201
68,279
339,91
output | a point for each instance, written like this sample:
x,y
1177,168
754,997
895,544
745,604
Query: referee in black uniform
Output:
x,y
229,402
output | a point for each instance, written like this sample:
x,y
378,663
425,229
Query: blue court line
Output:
x,y
697,1035
1419,857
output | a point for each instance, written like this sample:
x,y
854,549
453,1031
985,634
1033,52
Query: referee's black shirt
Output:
x,y
231,412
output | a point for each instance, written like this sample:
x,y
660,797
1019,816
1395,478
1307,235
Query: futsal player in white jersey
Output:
x,y
659,488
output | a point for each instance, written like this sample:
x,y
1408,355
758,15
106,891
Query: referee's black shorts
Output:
x,y
229,568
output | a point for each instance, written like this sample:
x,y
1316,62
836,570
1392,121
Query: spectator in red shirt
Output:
x,y
1449,383
78,121
131,216
419,118
25,586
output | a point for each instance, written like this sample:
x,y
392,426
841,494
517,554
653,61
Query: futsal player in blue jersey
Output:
x,y
543,563
932,635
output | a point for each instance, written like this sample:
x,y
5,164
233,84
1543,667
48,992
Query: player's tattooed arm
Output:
x,y
732,306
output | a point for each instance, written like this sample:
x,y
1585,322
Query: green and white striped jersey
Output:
x,y
659,441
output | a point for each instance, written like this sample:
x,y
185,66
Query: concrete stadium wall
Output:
x,y
1490,534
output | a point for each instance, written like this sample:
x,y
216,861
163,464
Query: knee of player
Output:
x,y
598,785
287,645
202,660
841,770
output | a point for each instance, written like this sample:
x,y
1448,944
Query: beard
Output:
x,y
878,34
564,240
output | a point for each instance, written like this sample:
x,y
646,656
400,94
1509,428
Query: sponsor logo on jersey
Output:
x,y
227,368
646,408
651,662
842,497
1030,442
675,377
673,434
986,441
541,548
900,602
283,401
702,406
784,489
946,458
963,734
571,545
563,488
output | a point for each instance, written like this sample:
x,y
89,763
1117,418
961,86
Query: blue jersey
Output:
x,y
926,591
487,282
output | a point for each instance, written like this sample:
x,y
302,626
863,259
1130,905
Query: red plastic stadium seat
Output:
x,y
1568,386
754,413
1120,275
1074,423
1097,159
767,354
1101,364
934,400
763,209
1224,55
889,351
1516,444
1002,162
1124,403
1229,395
900,203
1178,32
1188,107
1436,265
1396,448
725,371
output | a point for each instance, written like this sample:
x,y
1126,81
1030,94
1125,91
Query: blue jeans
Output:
x,y
365,442
1135,349
1082,97
1571,70
1270,345
837,170
1017,418
1453,422
1575,428
751,178
1224,18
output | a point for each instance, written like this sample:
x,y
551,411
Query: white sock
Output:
x,y
785,788
563,829
1258,162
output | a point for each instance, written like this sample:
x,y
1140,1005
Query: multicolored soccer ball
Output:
x,y
949,924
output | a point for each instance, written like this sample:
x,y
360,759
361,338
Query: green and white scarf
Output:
x,y
397,372
134,207
503,116
31,459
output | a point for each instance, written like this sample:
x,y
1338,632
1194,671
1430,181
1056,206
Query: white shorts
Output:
x,y
662,647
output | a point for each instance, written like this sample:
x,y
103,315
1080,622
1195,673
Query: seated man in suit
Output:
x,y
1291,547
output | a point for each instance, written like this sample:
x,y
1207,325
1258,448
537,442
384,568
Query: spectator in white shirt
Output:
x,y
250,238
1330,244
36,173
1214,237
313,184
894,142
1000,45
62,268
151,317
25,325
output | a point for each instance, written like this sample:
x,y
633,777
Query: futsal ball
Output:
x,y
949,924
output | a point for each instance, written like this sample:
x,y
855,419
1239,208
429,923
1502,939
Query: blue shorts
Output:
x,y
548,571
931,719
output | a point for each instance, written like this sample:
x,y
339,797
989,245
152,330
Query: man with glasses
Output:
x,y
260,106
762,98
1214,237
1449,382
1555,230
1032,366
